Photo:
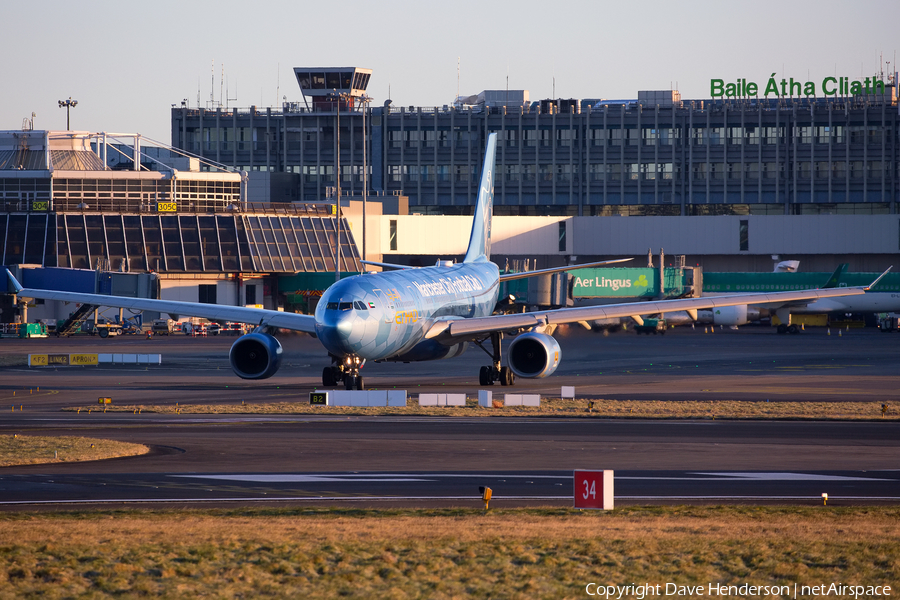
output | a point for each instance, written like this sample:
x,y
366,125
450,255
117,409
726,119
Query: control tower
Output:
x,y
327,85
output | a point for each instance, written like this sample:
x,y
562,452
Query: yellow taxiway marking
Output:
x,y
24,394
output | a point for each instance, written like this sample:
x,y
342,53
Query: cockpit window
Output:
x,y
345,305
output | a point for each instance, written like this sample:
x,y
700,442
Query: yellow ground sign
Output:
x,y
83,359
44,360
37,360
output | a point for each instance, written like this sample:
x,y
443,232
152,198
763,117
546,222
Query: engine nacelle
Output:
x,y
730,315
255,356
534,355
735,315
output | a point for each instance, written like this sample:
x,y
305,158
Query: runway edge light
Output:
x,y
486,493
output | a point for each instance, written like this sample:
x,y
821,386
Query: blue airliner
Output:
x,y
410,314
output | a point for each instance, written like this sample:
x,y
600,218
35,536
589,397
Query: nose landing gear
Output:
x,y
344,371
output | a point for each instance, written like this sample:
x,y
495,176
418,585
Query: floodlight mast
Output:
x,y
68,104
365,191
338,96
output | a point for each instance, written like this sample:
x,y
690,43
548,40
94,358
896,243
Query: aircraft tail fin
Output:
x,y
835,279
480,239
15,282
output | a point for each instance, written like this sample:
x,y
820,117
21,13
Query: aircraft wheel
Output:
x,y
793,329
484,376
328,377
359,383
507,377
350,382
782,328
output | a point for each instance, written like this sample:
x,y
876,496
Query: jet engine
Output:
x,y
534,354
255,356
735,315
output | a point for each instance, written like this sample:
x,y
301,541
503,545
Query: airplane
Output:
x,y
874,302
406,314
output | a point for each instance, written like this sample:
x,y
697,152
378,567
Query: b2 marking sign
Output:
x,y
593,489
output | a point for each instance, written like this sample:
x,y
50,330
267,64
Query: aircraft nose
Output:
x,y
334,331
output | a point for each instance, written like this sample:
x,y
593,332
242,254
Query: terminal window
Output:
x,y
207,294
744,235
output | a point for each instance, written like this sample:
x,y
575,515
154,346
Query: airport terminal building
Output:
x,y
74,200
727,182
245,215
655,155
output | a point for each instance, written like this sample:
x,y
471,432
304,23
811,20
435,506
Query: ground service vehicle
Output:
x,y
653,326
162,326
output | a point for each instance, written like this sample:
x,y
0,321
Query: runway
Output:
x,y
438,489
416,461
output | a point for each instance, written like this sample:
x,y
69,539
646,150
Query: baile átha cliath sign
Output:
x,y
787,87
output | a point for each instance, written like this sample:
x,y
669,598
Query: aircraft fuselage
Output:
x,y
384,316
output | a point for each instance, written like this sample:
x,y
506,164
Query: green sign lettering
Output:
x,y
790,87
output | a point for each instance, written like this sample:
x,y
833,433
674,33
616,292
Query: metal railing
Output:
x,y
163,206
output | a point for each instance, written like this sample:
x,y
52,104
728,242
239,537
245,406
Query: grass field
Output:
x,y
526,553
642,409
34,449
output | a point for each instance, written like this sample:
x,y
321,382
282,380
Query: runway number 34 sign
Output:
x,y
594,489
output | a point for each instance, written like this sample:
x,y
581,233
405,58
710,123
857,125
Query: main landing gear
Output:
x,y
346,372
489,374
788,329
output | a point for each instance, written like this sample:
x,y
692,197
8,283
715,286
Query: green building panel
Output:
x,y
625,283
719,283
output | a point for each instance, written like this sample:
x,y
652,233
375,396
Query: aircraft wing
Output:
x,y
462,329
526,274
239,314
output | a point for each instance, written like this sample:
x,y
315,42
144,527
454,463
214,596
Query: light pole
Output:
x,y
365,181
68,104
337,179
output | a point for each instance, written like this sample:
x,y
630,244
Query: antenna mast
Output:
x,y
227,95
